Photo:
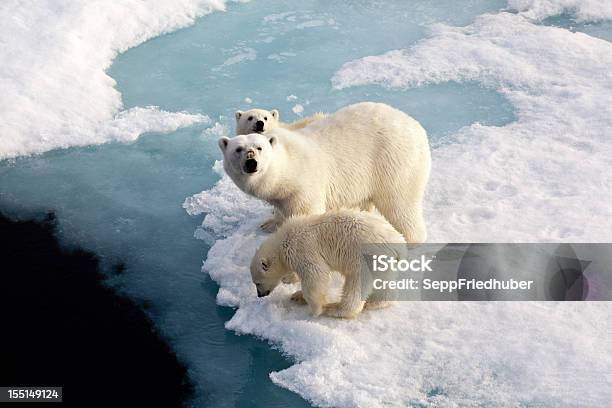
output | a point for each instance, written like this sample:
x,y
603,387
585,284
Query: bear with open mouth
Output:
x,y
366,154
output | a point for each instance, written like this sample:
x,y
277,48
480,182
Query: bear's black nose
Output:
x,y
259,126
262,294
250,165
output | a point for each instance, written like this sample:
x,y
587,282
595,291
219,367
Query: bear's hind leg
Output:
x,y
376,304
351,303
405,215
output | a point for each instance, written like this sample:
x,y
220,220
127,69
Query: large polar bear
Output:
x,y
261,120
364,154
315,246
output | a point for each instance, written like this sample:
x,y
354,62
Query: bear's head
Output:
x,y
246,157
267,269
255,121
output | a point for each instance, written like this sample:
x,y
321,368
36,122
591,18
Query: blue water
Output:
x,y
124,201
601,29
185,69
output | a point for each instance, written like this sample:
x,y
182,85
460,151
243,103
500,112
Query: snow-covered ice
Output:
x,y
413,354
298,109
540,178
55,91
215,131
583,10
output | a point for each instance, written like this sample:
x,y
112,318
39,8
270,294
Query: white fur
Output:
x,y
364,154
246,121
313,247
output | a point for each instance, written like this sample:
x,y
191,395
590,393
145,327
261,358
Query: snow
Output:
x,y
55,92
543,177
298,109
423,354
127,125
215,131
548,169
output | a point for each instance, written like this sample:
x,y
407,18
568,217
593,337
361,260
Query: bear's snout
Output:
x,y
262,293
250,165
259,126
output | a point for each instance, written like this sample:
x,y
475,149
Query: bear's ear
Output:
x,y
272,141
238,114
275,114
291,278
223,142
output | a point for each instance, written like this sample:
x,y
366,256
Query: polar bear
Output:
x,y
364,154
310,248
261,120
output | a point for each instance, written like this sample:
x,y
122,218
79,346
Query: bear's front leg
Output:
x,y
316,306
314,275
351,303
270,225
298,297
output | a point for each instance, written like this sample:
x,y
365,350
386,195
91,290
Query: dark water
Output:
x,y
123,203
62,326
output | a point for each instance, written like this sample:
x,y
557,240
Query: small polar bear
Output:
x,y
364,154
261,120
310,248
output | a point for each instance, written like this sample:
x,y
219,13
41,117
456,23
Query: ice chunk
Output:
x,y
55,92
215,131
298,109
427,354
533,179
585,10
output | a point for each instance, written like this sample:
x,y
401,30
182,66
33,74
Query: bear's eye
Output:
x,y
250,118
264,266
238,150
265,118
259,148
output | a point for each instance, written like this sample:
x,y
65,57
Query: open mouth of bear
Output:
x,y
250,166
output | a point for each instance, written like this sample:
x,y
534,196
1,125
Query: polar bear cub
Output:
x,y
314,246
364,154
261,120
